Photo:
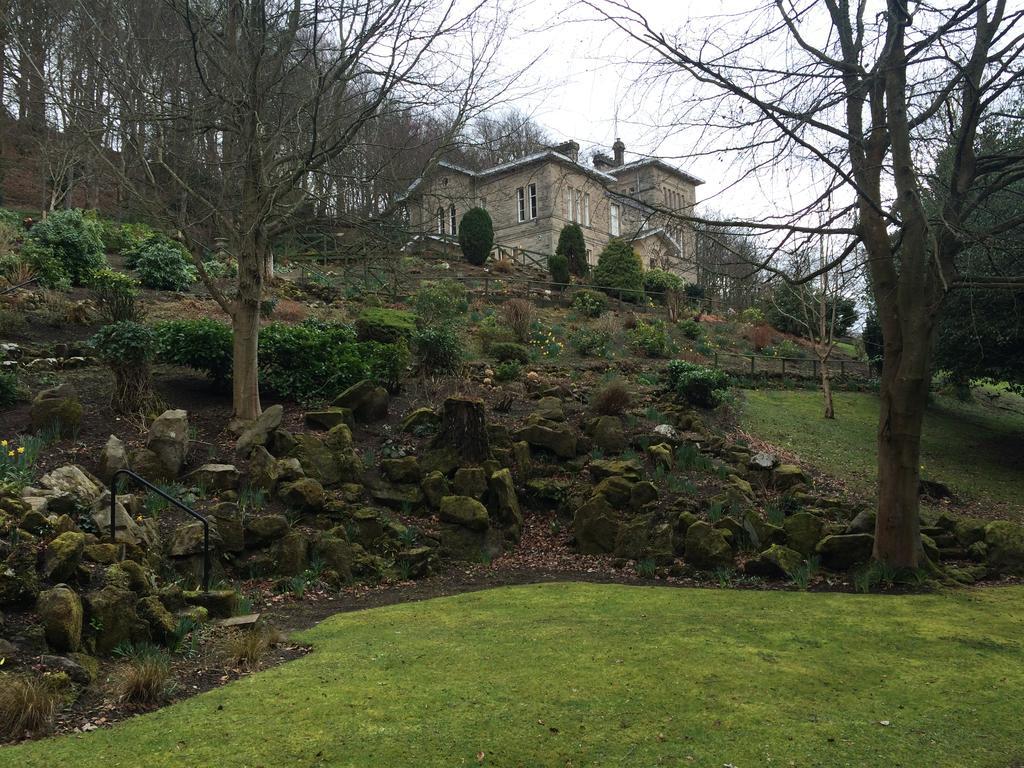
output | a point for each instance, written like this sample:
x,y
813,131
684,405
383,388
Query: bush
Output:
x,y
440,302
491,332
115,296
385,325
751,316
619,271
519,315
694,291
650,338
508,371
476,236
220,268
74,241
27,705
203,344
660,283
438,349
611,400
589,303
10,389
12,322
43,263
122,238
387,363
786,348
696,384
591,342
691,329
510,351
128,349
573,247
311,360
164,265
558,266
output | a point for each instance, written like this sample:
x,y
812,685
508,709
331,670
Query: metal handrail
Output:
x,y
172,500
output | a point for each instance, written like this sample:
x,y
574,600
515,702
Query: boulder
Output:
x,y
162,624
188,538
608,434
328,418
112,618
63,556
406,497
763,461
215,477
630,469
401,470
265,529
970,530
291,553
19,582
75,482
148,465
127,530
219,603
785,477
305,495
336,554
661,455
841,552
435,487
113,457
549,409
503,503
230,525
60,614
104,554
863,522
81,669
707,547
421,421
133,576
461,543
596,526
367,401
557,438
34,522
1005,547
645,537
469,481
168,439
57,409
266,472
618,490
464,511
775,562
259,431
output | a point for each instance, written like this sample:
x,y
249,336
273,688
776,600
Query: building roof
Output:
x,y
633,165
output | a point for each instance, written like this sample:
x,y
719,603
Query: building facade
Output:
x,y
531,199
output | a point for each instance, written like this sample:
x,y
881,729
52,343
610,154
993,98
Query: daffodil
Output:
x,y
21,449
10,453
3,443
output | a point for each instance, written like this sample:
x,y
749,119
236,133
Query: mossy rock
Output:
x,y
617,490
596,526
56,409
63,556
421,421
60,613
162,625
385,325
464,511
264,529
630,469
559,439
291,553
19,582
469,481
367,401
328,418
112,618
775,562
708,547
645,537
405,469
803,532
435,487
841,552
1005,542
305,495
219,603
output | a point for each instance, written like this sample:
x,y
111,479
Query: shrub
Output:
x,y
696,384
387,363
510,351
27,705
123,237
694,291
438,349
310,360
440,302
12,322
164,265
476,236
44,264
143,679
691,329
128,349
619,271
591,342
519,315
385,325
74,241
218,268
751,316
10,389
650,338
115,296
490,332
611,400
661,282
202,343
573,247
589,303
508,371
785,348
558,266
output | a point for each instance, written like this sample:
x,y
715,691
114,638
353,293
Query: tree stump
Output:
x,y
464,429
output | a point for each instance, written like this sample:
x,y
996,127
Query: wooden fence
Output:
x,y
794,367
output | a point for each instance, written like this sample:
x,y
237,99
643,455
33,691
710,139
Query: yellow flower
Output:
x,y
10,453
21,449
3,443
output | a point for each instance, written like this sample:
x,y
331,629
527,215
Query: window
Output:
x,y
586,209
533,201
483,203
568,203
579,207
613,217
521,200
440,221
453,221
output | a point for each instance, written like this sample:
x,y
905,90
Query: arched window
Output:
x,y
453,221
440,221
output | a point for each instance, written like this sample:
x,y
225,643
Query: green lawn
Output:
x,y
596,675
975,448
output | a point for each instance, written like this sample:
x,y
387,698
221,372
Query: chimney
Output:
x,y
619,150
568,148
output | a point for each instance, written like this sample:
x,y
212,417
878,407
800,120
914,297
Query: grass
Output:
x,y
976,448
599,675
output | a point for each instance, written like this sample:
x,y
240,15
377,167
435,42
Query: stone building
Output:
x,y
532,198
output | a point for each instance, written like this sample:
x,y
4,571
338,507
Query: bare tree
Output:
x,y
231,117
861,97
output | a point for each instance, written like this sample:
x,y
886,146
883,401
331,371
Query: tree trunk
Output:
x,y
464,428
903,399
826,389
245,327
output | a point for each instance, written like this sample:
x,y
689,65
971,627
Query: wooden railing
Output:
x,y
794,367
